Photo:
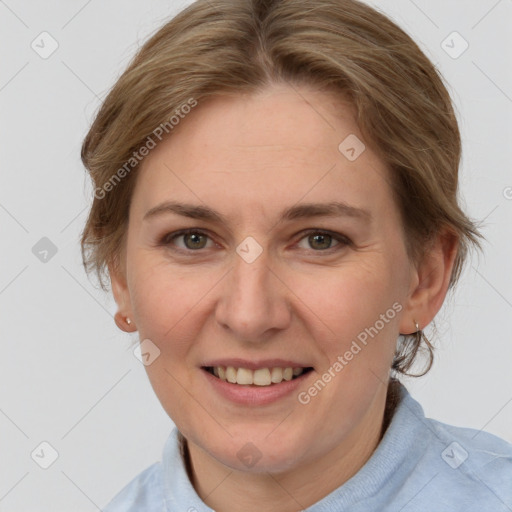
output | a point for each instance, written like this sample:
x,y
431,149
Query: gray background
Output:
x,y
67,374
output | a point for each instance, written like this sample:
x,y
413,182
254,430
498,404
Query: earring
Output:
x,y
417,326
123,322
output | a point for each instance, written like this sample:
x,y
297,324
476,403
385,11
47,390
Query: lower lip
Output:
x,y
252,394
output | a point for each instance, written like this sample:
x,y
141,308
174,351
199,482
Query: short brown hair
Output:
x,y
216,47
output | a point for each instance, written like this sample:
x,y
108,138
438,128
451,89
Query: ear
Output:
x,y
430,282
121,294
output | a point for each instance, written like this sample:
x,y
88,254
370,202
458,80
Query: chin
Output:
x,y
261,453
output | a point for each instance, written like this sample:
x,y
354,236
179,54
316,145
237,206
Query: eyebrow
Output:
x,y
299,211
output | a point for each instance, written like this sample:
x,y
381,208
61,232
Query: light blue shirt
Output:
x,y
421,465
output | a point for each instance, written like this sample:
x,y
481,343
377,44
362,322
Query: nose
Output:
x,y
254,302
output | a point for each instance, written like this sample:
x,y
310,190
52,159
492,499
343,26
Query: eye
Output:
x,y
322,240
192,239
195,240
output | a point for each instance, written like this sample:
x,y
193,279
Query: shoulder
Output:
x,y
471,467
478,454
143,493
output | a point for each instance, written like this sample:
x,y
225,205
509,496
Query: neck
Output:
x,y
227,490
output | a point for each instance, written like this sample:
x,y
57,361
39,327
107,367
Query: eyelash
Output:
x,y
343,240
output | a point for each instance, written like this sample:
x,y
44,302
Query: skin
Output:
x,y
249,157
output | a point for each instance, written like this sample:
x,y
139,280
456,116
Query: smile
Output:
x,y
257,377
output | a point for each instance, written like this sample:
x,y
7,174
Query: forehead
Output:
x,y
264,151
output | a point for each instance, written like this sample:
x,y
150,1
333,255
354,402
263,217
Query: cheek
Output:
x,y
356,312
348,300
166,305
164,297
159,299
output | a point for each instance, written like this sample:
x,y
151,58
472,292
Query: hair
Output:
x,y
222,47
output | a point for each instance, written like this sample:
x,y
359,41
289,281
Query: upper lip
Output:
x,y
255,365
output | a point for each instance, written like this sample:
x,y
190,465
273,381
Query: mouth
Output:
x,y
263,377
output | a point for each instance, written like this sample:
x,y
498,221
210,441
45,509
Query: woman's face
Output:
x,y
266,283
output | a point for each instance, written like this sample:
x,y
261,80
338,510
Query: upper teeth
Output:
x,y
259,377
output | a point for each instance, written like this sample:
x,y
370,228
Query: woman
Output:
x,y
276,209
